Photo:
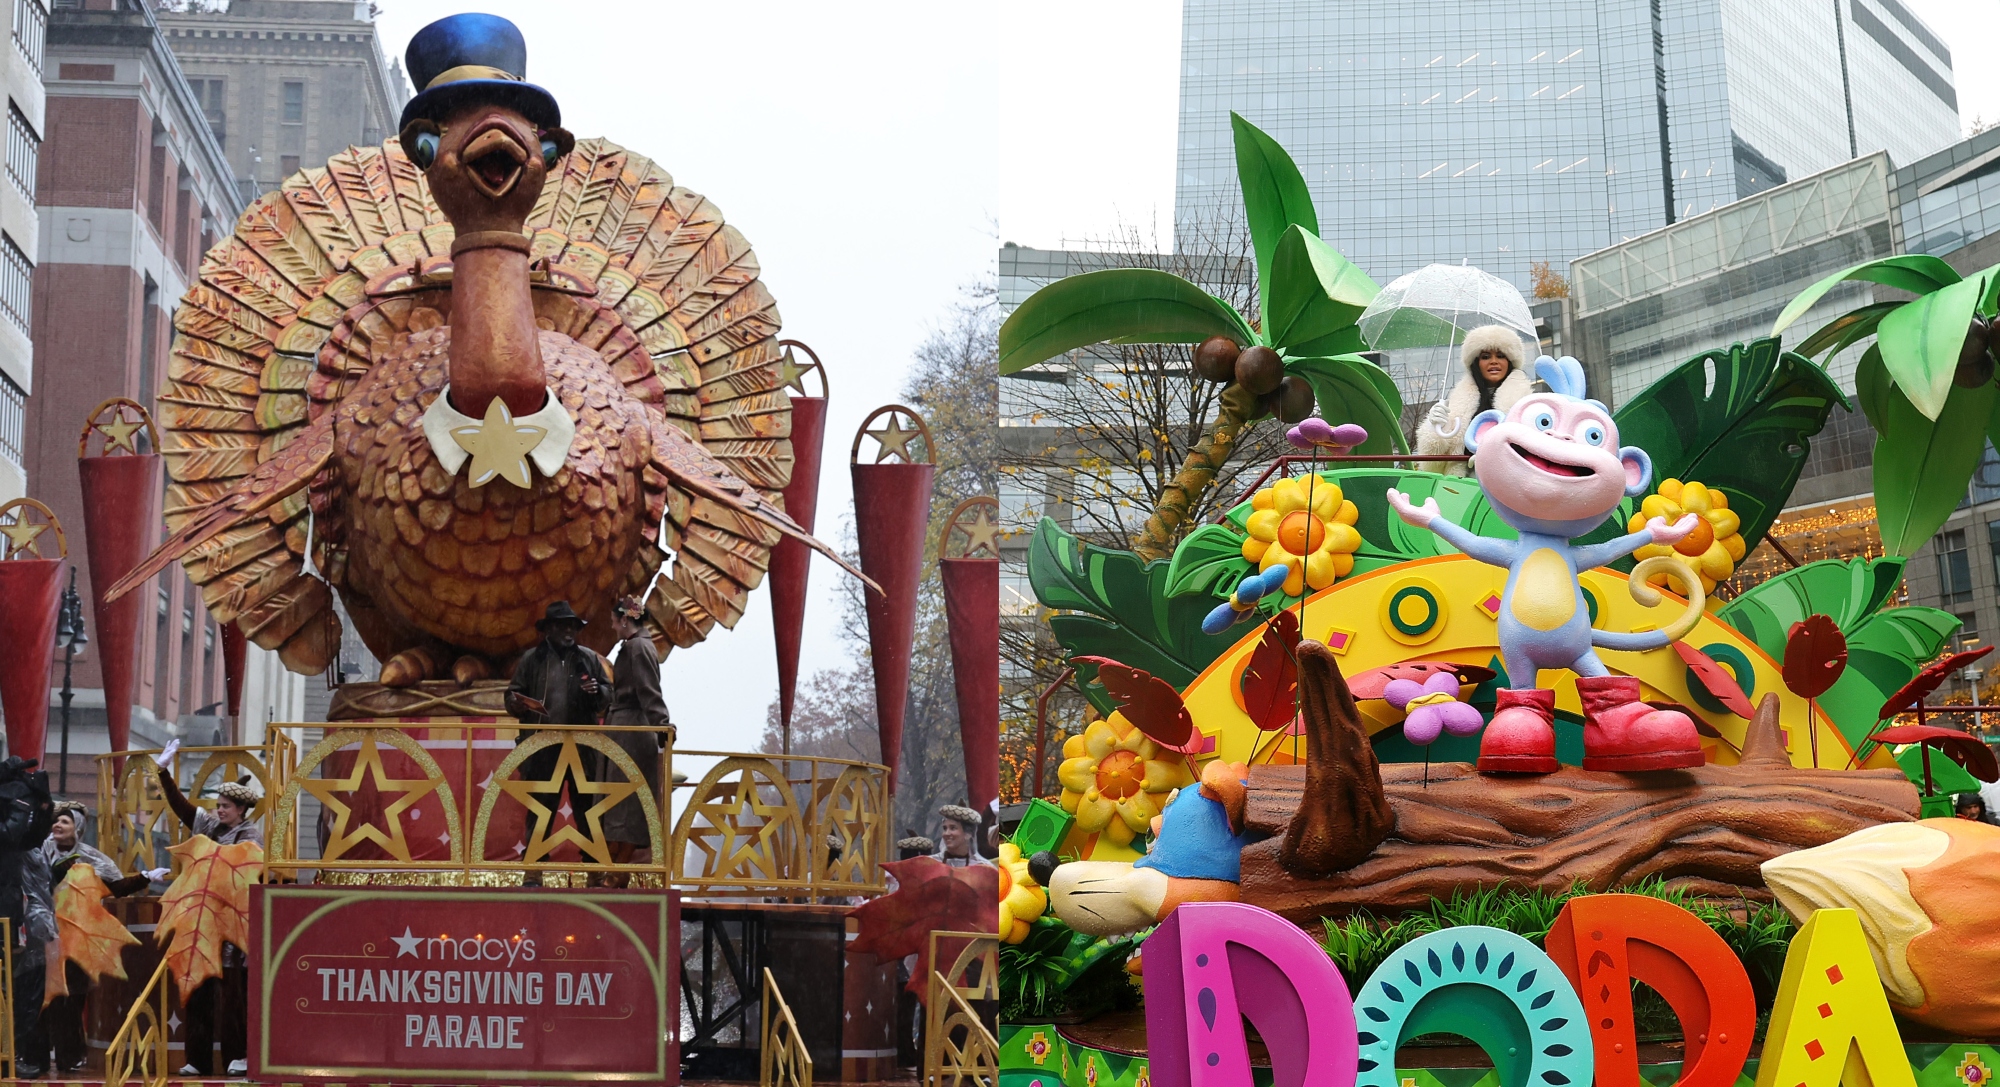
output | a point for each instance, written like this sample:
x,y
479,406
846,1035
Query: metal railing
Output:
x,y
781,1053
416,804
959,1050
138,1052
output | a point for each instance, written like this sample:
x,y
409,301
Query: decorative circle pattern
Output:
x,y
1414,611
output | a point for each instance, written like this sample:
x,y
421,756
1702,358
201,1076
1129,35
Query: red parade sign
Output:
x,y
459,986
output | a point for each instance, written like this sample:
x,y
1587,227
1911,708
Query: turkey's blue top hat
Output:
x,y
473,56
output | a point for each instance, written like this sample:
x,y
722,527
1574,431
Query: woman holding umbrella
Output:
x,y
1493,380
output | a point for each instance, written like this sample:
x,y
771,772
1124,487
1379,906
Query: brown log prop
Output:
x,y
1341,816
1705,829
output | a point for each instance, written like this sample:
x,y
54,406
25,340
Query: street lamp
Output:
x,y
69,637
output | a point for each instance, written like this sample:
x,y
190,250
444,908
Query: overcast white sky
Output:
x,y
1092,92
854,148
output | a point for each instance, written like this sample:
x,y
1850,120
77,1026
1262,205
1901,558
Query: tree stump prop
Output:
x,y
1705,829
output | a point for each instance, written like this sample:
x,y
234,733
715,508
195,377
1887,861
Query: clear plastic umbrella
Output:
x,y
1436,305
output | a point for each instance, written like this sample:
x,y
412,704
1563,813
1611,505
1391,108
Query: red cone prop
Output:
x,y
121,503
892,505
791,560
972,610
30,592
235,650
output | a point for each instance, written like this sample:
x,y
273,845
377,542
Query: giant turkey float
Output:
x,y
1432,769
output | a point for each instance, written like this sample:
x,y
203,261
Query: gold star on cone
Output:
x,y
894,439
499,446
21,537
540,842
368,764
982,533
118,434
790,374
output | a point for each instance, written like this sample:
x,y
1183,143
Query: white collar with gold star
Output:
x,y
443,424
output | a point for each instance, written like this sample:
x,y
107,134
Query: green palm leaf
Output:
x,y
1116,305
1350,389
1921,464
1846,328
1920,342
1916,273
1274,196
1315,293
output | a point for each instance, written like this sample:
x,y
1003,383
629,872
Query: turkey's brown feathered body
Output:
x,y
432,560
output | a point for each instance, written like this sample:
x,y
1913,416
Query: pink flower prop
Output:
x,y
1433,708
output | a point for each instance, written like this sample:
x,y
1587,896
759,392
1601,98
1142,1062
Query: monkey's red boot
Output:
x,y
1622,733
1521,738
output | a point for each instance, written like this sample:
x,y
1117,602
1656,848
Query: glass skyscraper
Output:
x,y
1515,131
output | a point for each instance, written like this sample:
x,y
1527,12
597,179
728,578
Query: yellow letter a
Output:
x,y
1831,1023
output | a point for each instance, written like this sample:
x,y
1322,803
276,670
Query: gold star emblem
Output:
x,y
893,439
790,374
368,764
541,843
499,446
982,533
118,434
21,537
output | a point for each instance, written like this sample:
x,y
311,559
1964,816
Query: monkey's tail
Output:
x,y
1647,596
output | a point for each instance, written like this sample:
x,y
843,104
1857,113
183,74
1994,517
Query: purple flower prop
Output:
x,y
1433,708
1317,432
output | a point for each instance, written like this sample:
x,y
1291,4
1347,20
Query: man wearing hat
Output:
x,y
636,701
958,834
557,682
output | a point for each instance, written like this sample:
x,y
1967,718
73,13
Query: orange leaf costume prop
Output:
x,y
91,937
208,906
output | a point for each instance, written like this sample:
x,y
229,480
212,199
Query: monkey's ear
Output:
x,y
1478,426
1638,470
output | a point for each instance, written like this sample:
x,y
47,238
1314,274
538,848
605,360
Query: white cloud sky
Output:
x,y
854,148
1092,98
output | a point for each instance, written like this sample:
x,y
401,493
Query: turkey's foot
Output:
x,y
412,666
467,670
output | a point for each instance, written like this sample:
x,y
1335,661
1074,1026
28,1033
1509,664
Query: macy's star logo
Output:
x,y
406,944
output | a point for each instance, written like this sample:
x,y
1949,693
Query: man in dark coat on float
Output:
x,y
636,701
557,682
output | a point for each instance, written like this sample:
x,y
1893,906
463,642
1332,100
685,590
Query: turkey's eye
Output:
x,y
424,151
551,151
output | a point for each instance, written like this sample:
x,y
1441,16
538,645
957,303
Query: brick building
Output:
x,y
132,189
285,83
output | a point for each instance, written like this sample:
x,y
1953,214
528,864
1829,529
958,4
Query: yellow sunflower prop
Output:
x,y
1115,779
1020,900
1307,526
1713,548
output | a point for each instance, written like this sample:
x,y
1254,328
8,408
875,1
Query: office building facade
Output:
x,y
1510,133
132,189
287,83
22,57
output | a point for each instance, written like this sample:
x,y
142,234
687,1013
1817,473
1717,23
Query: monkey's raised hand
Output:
x,y
1421,516
1664,533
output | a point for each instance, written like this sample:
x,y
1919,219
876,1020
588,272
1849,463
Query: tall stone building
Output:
x,y
21,60
131,190
287,83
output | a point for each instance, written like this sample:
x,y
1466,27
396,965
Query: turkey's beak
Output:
x,y
494,158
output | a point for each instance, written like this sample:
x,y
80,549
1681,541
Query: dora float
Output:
x,y
1497,778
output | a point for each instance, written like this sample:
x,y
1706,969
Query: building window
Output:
x,y
24,148
208,94
1954,568
31,26
295,103
287,166
13,420
1967,637
1993,545
16,284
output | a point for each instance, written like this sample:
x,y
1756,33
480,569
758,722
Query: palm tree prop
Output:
x,y
1926,384
1298,350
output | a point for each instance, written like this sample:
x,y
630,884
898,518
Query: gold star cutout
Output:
x,y
499,446
894,439
790,374
369,764
540,843
118,434
982,533
21,537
